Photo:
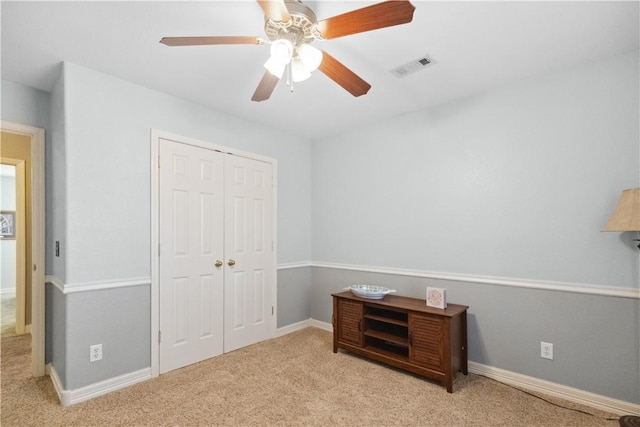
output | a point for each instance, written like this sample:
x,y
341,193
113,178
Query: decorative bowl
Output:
x,y
370,291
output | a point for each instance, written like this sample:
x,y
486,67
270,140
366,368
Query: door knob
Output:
x,y
218,263
231,263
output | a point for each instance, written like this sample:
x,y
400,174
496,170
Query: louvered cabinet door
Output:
x,y
426,336
349,322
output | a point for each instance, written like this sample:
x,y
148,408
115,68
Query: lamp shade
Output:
x,y
275,67
626,216
281,51
310,56
298,71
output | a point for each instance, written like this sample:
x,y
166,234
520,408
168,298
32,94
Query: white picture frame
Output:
x,y
8,225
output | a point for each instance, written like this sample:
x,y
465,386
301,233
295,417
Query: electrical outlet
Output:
x,y
95,353
546,350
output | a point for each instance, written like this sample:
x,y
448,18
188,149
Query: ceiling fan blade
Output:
x,y
340,74
201,41
380,15
275,10
265,87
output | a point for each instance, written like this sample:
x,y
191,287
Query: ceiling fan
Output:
x,y
290,27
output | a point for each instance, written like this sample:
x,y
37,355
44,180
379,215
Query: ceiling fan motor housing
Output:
x,y
300,29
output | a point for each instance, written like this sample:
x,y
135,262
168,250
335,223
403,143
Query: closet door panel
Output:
x,y
191,224
248,252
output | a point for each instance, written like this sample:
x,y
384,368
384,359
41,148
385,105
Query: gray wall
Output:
x,y
126,311
595,338
120,320
294,295
25,105
510,185
56,182
55,329
56,230
513,183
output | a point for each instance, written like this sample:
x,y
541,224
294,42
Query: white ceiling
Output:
x,y
477,46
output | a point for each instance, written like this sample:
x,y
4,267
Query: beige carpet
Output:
x,y
7,316
291,380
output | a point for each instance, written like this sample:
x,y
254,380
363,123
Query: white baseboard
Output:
x,y
70,397
586,398
292,328
55,380
322,325
303,324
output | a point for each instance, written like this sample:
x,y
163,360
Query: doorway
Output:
x,y
33,139
13,239
213,250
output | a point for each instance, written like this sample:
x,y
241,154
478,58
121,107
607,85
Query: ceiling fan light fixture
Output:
x,y
275,67
310,56
290,26
282,51
299,71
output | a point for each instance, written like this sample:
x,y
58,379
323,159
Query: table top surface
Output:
x,y
407,303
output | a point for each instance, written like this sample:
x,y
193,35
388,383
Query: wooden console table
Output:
x,y
403,332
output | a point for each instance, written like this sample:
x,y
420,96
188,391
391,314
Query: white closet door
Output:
x,y
191,209
249,281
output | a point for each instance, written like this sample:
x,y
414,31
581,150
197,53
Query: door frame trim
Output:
x,y
156,135
37,240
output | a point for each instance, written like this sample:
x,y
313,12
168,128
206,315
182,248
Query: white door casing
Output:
x,y
248,246
248,299
191,241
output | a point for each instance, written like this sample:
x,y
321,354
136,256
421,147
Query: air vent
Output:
x,y
413,66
